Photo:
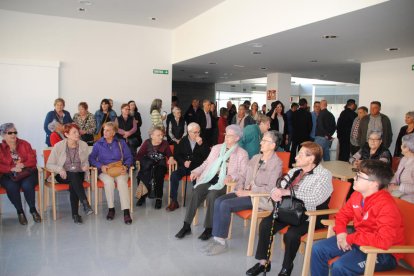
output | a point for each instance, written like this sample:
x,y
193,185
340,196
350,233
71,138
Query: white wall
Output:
x,y
98,59
233,22
391,82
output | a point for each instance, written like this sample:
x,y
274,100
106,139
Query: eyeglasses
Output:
x,y
263,140
195,132
373,139
358,175
12,132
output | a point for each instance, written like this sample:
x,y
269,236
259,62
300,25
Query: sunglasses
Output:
x,y
12,132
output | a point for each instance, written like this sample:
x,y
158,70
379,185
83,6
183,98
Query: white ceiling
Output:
x,y
363,36
169,13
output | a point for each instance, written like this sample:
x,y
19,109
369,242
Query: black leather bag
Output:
x,y
291,210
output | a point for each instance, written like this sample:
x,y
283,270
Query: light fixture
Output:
x,y
85,2
392,49
256,45
153,18
206,72
313,60
263,68
239,66
212,63
329,36
81,9
256,53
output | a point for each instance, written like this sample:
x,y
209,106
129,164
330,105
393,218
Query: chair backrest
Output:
x,y
338,196
284,156
46,154
172,149
395,163
407,211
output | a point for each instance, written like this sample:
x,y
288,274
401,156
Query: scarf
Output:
x,y
221,164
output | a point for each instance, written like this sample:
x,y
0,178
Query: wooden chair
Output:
x,y
407,210
172,168
99,186
395,162
284,156
37,189
56,187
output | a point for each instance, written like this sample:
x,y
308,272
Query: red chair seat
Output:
x,y
2,190
245,214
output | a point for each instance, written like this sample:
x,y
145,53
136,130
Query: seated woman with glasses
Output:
x,y
18,157
312,184
373,149
263,171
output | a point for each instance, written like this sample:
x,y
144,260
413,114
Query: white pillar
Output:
x,y
281,84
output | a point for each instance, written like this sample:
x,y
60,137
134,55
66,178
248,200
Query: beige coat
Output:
x,y
57,157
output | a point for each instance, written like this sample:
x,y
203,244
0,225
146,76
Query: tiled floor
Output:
x,y
99,247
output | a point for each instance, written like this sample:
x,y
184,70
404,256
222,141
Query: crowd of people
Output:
x,y
235,145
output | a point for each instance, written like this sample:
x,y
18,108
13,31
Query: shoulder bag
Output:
x,y
98,136
115,168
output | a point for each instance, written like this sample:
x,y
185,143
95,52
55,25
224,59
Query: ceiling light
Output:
x,y
256,53
239,66
392,49
256,45
263,68
206,72
85,2
313,60
212,63
153,18
329,36
81,9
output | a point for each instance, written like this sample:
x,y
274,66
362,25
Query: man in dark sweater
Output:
x,y
325,128
189,154
344,126
301,128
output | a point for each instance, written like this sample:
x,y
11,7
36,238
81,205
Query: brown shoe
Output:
x,y
173,205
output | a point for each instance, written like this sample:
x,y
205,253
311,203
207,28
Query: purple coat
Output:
x,y
104,153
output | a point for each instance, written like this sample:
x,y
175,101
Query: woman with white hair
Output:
x,y
176,127
402,184
407,129
18,170
226,163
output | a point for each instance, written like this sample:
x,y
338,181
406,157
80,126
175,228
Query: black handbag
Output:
x,y
290,209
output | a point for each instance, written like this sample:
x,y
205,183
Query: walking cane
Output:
x,y
186,179
269,249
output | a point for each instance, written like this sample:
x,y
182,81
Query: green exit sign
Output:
x,y
160,71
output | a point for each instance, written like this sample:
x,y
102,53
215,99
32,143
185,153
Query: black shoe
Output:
x,y
206,234
286,271
158,203
36,217
127,219
111,214
87,208
141,201
186,230
77,219
22,218
257,269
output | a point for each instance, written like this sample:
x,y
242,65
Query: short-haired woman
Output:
x,y
107,150
103,115
127,128
177,127
133,111
86,123
155,111
58,114
402,184
313,185
152,156
69,159
17,156
407,129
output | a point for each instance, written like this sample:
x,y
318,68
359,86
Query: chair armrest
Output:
x,y
138,164
328,222
260,195
322,212
391,250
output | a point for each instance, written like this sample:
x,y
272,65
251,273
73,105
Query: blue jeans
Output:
x,y
350,262
176,176
326,145
223,207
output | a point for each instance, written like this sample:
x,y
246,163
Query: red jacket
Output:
x,y
25,152
222,124
377,223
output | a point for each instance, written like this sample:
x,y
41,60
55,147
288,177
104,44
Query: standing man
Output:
x,y
231,112
315,113
361,113
191,115
289,114
325,128
375,121
344,126
207,123
301,128
242,119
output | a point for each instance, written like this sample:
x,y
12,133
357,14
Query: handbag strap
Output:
x,y
106,117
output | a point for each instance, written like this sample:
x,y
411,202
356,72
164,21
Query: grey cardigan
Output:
x,y
57,157
386,130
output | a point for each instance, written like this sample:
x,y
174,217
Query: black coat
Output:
x,y
183,152
344,125
302,125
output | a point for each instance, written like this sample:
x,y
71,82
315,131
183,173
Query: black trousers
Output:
x,y
76,190
295,146
344,149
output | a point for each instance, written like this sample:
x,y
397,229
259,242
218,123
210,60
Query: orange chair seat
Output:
x,y
245,214
284,230
101,185
2,190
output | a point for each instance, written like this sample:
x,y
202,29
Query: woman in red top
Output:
x,y
18,158
222,124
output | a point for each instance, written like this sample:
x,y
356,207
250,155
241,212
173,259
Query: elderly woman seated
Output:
x,y
18,170
373,149
262,173
402,184
109,152
226,163
312,184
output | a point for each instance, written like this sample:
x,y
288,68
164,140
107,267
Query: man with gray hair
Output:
x,y
190,153
325,128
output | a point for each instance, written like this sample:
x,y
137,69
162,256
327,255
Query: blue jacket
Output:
x,y
104,153
51,115
99,116
251,139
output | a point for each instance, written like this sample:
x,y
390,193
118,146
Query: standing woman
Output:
x,y
127,127
86,123
69,159
254,112
58,114
155,111
407,129
133,111
107,150
177,127
18,157
279,122
222,124
152,157
103,115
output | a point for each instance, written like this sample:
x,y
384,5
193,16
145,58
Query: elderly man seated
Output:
x,y
226,163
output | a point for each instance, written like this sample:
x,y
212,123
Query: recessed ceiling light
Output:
x,y
392,49
212,63
239,66
256,45
85,2
313,60
182,70
256,53
263,68
206,72
153,18
329,36
81,9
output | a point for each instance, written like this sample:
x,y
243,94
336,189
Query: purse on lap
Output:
x,y
115,168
